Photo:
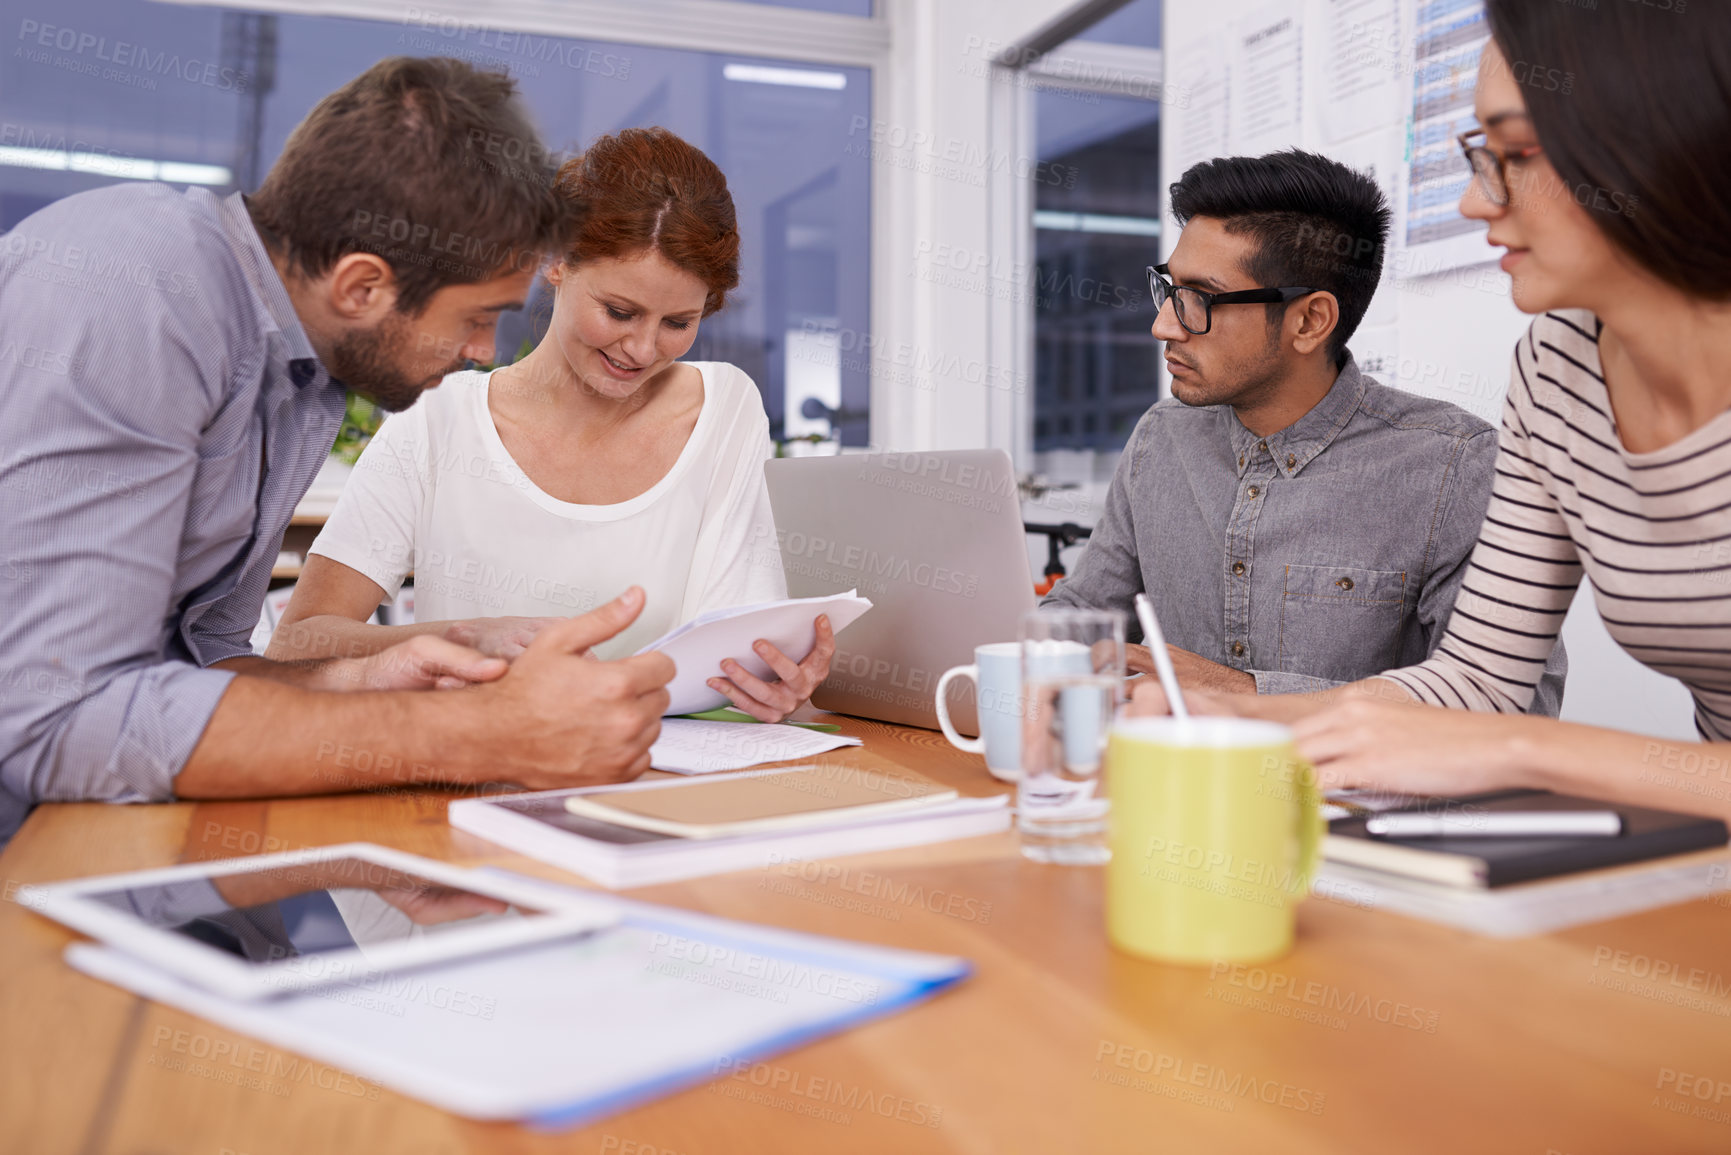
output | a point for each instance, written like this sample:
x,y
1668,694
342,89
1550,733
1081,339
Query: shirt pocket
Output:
x,y
1340,622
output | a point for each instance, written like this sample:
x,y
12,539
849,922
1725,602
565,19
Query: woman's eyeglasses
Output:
x,y
1489,168
1195,308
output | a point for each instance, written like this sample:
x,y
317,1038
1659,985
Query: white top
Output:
x,y
436,494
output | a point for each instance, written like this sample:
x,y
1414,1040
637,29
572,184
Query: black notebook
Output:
x,y
1479,862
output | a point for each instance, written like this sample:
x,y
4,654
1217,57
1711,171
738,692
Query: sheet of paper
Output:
x,y
1362,66
1267,81
567,1031
1200,86
694,746
698,647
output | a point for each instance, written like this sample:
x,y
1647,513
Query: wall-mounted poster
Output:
x,y
1362,66
1267,80
1448,37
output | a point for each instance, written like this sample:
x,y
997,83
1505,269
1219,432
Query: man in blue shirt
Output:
x,y
172,374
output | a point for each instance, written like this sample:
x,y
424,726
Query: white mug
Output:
x,y
997,677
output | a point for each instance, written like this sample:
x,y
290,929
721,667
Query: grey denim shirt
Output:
x,y
1324,553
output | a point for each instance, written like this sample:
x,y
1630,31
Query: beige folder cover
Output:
x,y
804,797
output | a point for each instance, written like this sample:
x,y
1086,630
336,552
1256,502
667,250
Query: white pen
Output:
x,y
1162,660
1498,824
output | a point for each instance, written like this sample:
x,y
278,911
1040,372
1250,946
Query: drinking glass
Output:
x,y
1072,686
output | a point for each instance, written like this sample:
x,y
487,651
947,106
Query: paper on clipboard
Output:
x,y
567,1032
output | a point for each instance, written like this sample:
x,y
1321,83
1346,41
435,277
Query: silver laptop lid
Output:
x,y
935,540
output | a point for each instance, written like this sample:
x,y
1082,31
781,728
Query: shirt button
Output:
x,y
1254,490
1344,583
1241,461
1262,445
1237,569
1238,649
1291,460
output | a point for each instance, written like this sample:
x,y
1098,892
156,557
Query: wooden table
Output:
x,y
1376,1034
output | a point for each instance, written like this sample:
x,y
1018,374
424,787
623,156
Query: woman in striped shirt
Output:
x,y
1603,166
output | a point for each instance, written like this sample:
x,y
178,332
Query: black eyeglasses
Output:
x,y
1489,168
1195,308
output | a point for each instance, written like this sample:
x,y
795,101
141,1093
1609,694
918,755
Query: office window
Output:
x,y
839,7
1096,228
1136,25
98,91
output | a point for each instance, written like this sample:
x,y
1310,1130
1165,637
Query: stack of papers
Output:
x,y
696,746
540,826
1509,886
567,1032
698,647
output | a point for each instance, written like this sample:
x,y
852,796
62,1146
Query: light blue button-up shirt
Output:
x,y
161,412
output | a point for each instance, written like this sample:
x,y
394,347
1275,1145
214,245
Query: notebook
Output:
x,y
565,1033
802,798
698,646
1528,908
1478,862
538,824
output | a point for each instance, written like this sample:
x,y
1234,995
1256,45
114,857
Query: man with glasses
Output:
x,y
1296,524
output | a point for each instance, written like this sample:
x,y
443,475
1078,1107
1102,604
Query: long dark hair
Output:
x,y
1632,105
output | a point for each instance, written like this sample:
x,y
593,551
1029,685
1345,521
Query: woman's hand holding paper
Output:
x,y
773,701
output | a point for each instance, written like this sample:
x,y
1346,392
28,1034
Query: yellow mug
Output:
x,y
1215,832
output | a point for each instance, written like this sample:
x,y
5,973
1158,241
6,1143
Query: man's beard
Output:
x,y
1244,384
369,361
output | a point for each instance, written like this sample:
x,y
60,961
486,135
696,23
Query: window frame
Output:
x,y
1075,66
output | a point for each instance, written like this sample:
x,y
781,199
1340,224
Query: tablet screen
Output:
x,y
308,908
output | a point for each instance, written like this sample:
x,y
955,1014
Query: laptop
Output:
x,y
935,540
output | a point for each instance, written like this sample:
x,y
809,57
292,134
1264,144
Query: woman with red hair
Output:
x,y
598,462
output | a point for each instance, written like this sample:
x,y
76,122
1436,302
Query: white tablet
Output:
x,y
252,928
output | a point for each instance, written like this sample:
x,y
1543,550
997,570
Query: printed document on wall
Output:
x,y
1267,80
1449,36
1199,78
1362,67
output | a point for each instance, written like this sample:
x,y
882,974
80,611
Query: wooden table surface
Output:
x,y
1377,1033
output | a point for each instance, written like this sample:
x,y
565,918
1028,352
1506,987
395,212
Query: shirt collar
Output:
x,y
1301,442
255,262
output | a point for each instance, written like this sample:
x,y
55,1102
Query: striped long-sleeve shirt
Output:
x,y
1652,531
